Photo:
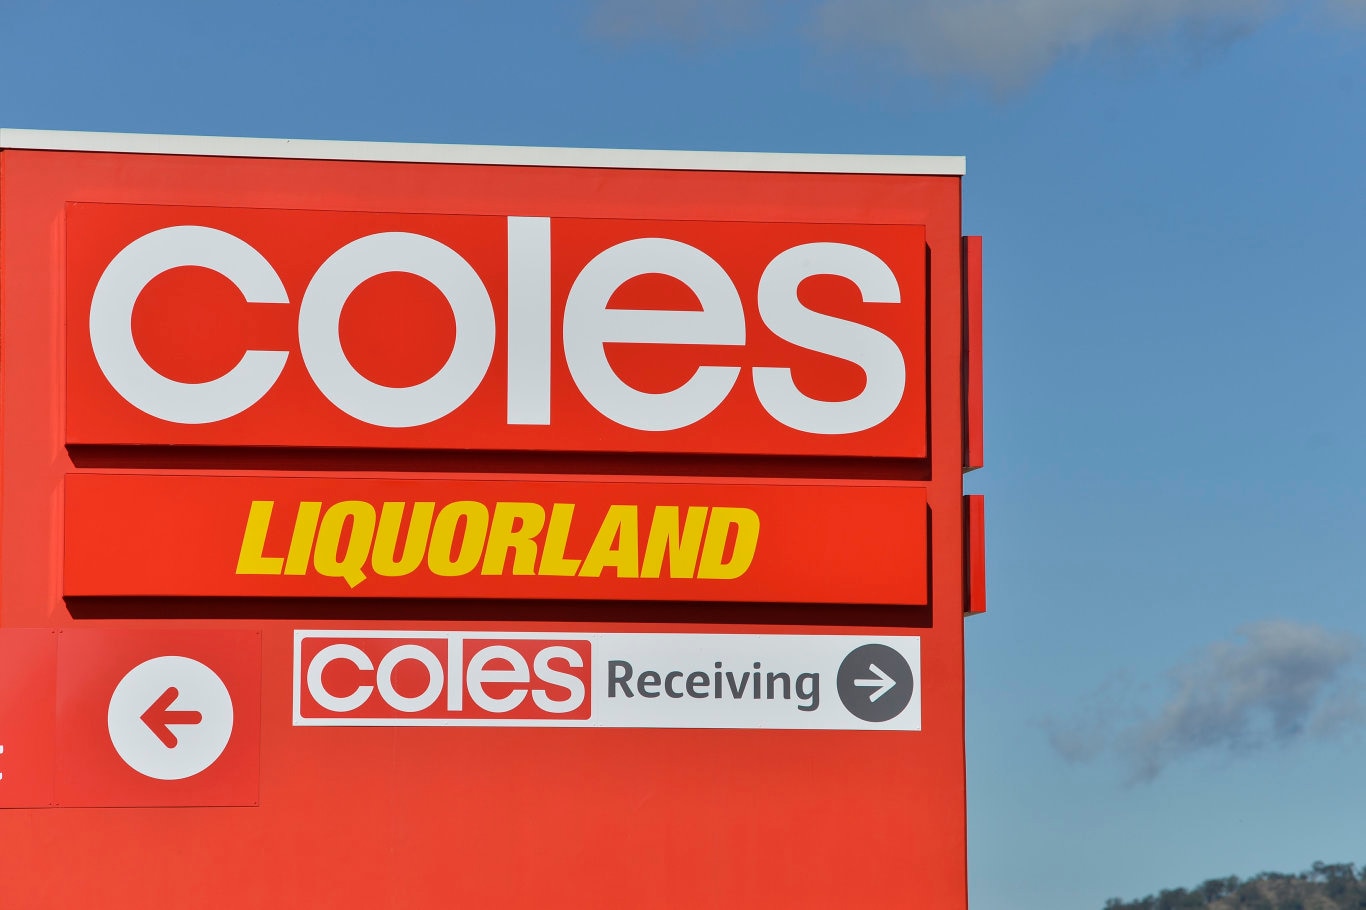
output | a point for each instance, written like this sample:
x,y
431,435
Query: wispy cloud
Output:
x,y
1090,731
1008,42
1277,683
686,20
1003,42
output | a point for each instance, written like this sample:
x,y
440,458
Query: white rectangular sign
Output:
x,y
606,679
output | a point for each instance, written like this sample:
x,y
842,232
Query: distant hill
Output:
x,y
1327,886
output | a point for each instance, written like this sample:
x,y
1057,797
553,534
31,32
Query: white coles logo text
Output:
x,y
519,326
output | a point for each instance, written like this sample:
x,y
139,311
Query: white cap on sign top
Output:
x,y
527,156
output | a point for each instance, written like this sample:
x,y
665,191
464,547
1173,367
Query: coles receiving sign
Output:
x,y
603,679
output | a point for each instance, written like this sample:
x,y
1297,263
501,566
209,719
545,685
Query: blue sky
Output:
x,y
1173,198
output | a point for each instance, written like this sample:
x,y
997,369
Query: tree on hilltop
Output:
x,y
1325,886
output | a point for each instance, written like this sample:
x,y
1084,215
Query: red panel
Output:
x,y
329,536
488,817
974,555
973,456
28,675
191,325
141,718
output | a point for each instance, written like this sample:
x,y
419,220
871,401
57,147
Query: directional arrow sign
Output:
x,y
882,696
152,717
883,682
140,719
159,717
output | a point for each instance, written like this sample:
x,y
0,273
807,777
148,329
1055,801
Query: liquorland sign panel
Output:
x,y
408,503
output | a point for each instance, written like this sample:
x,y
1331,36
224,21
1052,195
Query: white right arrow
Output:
x,y
883,682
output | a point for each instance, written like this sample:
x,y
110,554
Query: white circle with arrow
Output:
x,y
170,718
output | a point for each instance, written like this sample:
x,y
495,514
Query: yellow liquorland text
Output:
x,y
354,539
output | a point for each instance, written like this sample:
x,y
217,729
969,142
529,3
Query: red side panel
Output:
x,y
974,555
973,456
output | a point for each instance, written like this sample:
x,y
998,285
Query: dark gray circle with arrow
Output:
x,y
875,683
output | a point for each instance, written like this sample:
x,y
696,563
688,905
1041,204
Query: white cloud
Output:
x,y
1003,42
1009,41
1277,683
